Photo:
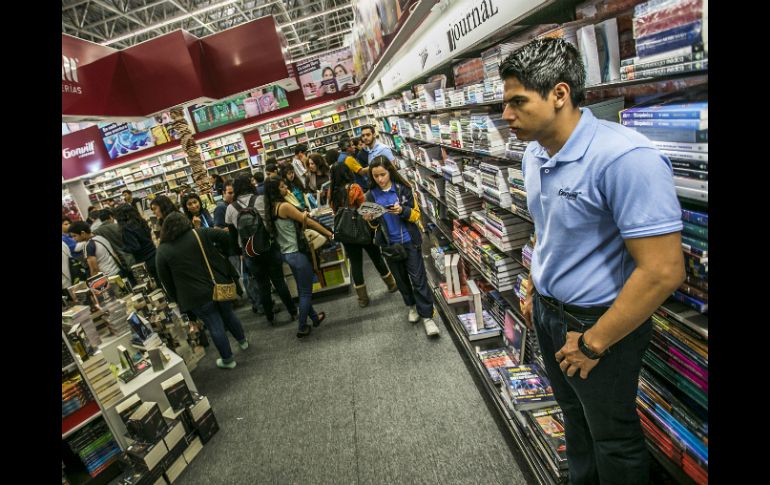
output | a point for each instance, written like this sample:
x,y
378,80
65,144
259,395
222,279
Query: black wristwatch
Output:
x,y
588,352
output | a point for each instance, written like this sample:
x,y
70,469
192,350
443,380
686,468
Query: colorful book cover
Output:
x,y
528,387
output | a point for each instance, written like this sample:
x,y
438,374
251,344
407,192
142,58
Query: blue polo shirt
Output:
x,y
607,183
380,149
397,230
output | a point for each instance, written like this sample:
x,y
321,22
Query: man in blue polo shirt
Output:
x,y
608,253
372,146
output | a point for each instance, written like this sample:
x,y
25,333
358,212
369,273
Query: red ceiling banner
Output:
x,y
84,152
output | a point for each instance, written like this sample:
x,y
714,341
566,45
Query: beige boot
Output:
x,y
391,282
363,296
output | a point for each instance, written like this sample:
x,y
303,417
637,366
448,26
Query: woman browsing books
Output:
x,y
397,232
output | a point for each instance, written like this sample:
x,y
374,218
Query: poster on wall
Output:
x,y
122,139
373,21
247,105
327,74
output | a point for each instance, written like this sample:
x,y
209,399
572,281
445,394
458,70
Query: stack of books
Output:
x,y
493,360
518,192
500,268
490,133
461,201
74,394
466,130
80,328
455,130
495,183
520,287
102,380
472,179
527,387
515,147
671,38
493,302
116,315
547,427
95,446
456,97
506,231
453,169
679,128
694,291
526,252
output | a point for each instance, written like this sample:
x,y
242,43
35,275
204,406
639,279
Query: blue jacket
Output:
x,y
410,215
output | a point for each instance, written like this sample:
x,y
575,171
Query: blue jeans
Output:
x,y
604,438
249,283
266,269
412,281
218,316
302,270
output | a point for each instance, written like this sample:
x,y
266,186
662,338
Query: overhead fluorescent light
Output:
x,y
170,21
316,15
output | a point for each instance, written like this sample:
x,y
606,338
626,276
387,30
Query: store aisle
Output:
x,y
366,399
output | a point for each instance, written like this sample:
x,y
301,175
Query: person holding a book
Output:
x,y
187,261
398,233
286,223
346,193
607,254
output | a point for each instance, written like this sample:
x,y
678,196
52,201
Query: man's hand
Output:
x,y
571,359
526,310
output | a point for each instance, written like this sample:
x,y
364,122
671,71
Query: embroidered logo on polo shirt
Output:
x,y
568,195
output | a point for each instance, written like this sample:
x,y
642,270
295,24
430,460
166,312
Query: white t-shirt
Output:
x,y
102,249
66,278
299,170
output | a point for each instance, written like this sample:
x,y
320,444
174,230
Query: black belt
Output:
x,y
579,311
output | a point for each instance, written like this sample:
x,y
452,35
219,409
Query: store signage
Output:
x,y
474,18
83,152
253,142
69,75
327,74
254,103
449,33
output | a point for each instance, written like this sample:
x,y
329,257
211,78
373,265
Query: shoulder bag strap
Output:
x,y
204,256
114,258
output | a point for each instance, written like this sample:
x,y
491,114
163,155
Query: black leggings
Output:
x,y
356,256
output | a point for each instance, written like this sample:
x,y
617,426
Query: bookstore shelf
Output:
x,y
491,391
233,171
228,163
679,476
463,150
281,129
79,418
648,80
68,368
447,108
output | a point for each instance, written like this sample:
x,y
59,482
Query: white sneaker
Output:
x,y
414,317
430,327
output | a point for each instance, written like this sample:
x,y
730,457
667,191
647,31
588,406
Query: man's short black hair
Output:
x,y
271,167
105,214
66,219
80,226
301,148
368,127
126,192
543,63
356,140
259,177
343,144
227,183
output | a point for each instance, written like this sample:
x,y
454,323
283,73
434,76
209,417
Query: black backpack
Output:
x,y
78,270
251,229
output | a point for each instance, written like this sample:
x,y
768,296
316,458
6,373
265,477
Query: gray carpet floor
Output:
x,y
367,398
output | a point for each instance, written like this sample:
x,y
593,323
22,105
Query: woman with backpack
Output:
x,y
346,194
188,267
137,237
263,268
398,233
286,223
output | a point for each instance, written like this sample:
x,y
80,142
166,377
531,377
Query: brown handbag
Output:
x,y
222,292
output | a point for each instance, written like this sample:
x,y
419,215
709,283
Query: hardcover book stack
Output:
x,y
466,129
80,329
495,184
95,446
492,58
547,428
472,180
526,252
475,331
455,130
490,133
515,147
493,302
671,38
453,169
679,128
500,268
694,291
116,314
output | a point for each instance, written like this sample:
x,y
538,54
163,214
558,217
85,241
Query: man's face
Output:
x,y
65,227
127,197
79,237
302,157
367,137
529,116
228,195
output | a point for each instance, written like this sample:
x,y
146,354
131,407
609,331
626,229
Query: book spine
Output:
x,y
695,243
690,165
699,218
677,136
700,283
679,51
691,174
683,12
702,157
652,5
670,124
678,36
666,70
668,61
681,147
695,230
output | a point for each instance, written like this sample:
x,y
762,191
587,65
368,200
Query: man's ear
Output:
x,y
561,94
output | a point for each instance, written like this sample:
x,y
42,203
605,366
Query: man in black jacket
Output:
x,y
186,269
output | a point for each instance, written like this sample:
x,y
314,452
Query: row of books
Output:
x,y
95,446
694,291
74,394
